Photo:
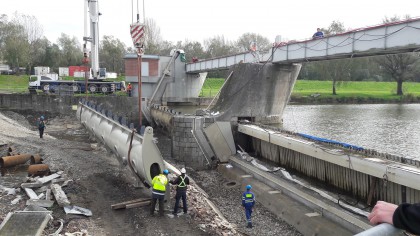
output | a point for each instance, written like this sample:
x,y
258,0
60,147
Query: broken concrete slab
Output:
x,y
48,178
59,195
16,200
31,194
25,223
77,210
31,185
48,194
35,208
39,202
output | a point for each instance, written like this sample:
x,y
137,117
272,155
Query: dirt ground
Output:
x,y
99,181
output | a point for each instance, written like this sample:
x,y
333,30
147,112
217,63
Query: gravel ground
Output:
x,y
99,181
228,199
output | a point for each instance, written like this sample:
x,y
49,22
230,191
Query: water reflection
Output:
x,y
391,128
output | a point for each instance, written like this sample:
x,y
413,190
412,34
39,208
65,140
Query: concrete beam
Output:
x,y
396,172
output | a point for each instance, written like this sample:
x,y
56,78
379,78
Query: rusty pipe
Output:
x,y
8,161
38,169
36,159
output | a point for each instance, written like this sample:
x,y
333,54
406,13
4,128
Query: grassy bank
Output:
x,y
308,91
14,83
305,91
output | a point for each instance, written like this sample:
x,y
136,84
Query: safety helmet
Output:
x,y
248,187
183,171
165,172
129,83
42,117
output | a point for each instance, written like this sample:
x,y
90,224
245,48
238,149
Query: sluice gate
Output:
x,y
365,174
138,151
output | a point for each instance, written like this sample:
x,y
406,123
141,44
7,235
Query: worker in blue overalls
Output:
x,y
248,201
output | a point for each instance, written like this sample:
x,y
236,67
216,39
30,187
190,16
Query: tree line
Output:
x,y
23,45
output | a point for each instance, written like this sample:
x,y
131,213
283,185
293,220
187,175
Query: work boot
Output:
x,y
249,225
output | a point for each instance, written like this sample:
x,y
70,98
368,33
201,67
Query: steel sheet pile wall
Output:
x,y
359,184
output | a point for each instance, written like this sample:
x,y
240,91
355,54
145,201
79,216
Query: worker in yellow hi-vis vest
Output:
x,y
159,183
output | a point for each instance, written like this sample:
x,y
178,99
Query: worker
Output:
x,y
248,202
405,216
159,183
41,126
181,182
318,34
129,88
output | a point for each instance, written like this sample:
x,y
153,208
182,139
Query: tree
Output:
x,y
218,46
16,47
334,70
111,52
71,51
245,40
34,32
401,67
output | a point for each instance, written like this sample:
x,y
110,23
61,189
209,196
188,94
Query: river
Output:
x,y
390,128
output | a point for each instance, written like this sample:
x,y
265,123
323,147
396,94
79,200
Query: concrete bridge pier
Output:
x,y
257,92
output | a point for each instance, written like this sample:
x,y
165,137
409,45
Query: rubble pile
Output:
x,y
204,212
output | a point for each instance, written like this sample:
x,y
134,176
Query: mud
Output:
x,y
99,181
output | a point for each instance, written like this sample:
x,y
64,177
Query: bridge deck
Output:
x,y
390,38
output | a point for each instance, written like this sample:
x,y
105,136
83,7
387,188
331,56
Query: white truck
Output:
x,y
50,83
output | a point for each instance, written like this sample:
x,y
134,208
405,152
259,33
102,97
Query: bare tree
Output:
x,y
218,46
244,42
400,66
153,38
33,31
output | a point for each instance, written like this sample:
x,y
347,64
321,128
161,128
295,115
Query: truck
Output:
x,y
50,83
96,78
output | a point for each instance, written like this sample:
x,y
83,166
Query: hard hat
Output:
x,y
183,171
248,187
165,172
129,83
42,117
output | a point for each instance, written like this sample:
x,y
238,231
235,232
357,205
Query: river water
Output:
x,y
390,128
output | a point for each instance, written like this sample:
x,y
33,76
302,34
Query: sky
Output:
x,y
197,20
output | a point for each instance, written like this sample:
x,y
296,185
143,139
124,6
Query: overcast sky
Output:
x,y
197,20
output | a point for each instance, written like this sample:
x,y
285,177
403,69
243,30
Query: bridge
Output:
x,y
390,38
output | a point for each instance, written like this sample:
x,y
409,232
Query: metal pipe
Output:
x,y
8,161
382,229
36,159
145,157
38,169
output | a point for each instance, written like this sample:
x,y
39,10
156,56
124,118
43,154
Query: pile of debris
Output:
x,y
43,188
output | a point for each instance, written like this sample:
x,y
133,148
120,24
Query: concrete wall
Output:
x,y
184,144
257,91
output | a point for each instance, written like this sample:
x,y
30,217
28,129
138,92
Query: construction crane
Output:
x,y
91,19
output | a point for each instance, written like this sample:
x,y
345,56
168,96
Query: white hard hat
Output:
x,y
183,171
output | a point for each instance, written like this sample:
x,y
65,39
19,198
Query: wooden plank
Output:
x,y
138,204
31,185
122,205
